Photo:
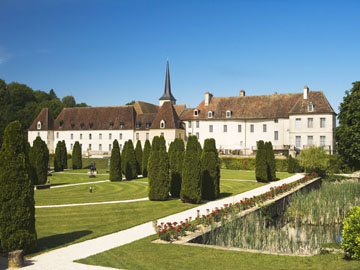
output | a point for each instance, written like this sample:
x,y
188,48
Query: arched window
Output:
x,y
39,125
228,114
162,124
210,114
196,112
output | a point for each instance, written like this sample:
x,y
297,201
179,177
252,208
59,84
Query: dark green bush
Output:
x,y
191,174
351,234
76,156
39,158
261,165
58,165
138,154
146,154
248,163
64,155
115,163
210,171
123,157
130,161
270,162
176,160
17,205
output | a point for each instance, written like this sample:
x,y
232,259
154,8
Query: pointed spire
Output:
x,y
167,96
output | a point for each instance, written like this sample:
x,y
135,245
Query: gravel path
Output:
x,y
63,258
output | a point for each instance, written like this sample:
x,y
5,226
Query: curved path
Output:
x,y
63,258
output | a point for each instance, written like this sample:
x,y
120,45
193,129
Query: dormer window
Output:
x,y
38,125
310,107
91,124
82,125
196,112
210,114
111,125
228,114
121,125
72,125
61,123
138,124
148,125
162,124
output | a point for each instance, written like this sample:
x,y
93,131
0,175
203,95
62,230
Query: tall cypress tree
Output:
x,y
158,167
76,156
123,157
64,155
261,165
146,154
39,158
17,205
191,174
130,159
176,160
138,154
58,157
270,162
115,163
210,171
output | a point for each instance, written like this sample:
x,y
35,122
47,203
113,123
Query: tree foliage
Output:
x,y
261,166
270,162
115,163
347,134
176,160
58,165
314,159
130,161
138,154
17,205
351,234
191,174
146,154
63,155
39,159
210,171
123,157
158,173
76,156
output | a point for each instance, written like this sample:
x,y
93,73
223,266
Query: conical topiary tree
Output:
x,y
210,171
138,154
260,163
270,162
291,165
58,157
39,158
115,163
64,155
130,161
17,205
158,173
76,156
176,160
123,157
146,154
191,174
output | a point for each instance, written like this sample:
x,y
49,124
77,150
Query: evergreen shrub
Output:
x,y
138,154
76,156
130,161
176,160
115,163
146,154
210,171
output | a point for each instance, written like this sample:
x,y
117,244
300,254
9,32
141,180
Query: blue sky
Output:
x,y
111,52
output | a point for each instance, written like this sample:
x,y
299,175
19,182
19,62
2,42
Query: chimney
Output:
x,y
242,93
306,92
208,97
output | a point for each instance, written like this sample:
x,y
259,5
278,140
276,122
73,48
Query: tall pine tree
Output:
x,y
115,163
176,160
138,154
210,171
191,174
17,205
146,154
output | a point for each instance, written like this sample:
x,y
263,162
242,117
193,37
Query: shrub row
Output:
x,y
241,163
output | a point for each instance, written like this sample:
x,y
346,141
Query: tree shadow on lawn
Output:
x,y
53,241
224,194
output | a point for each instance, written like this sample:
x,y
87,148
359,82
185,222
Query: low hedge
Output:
x,y
240,163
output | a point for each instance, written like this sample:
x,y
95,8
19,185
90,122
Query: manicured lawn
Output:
x,y
247,175
102,192
143,254
57,227
65,178
230,188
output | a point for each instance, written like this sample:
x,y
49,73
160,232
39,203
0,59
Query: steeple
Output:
x,y
167,96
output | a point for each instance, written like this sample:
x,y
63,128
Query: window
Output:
x,y
310,107
239,128
138,125
225,128
121,125
264,127
57,135
210,128
100,136
148,125
180,135
91,124
162,124
276,135
210,114
251,128
100,147
310,140
111,125
109,136
82,125
72,125
310,122
89,136
38,134
298,142
80,136
197,135
120,136
298,123
189,134
137,136
196,112
322,122
71,146
147,136
162,134
276,121
72,136
39,125
109,147
241,143
61,123
89,148
322,140
120,147
228,114
189,124
197,124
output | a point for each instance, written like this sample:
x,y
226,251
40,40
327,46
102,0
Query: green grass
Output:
x,y
58,227
143,254
102,192
59,178
247,175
